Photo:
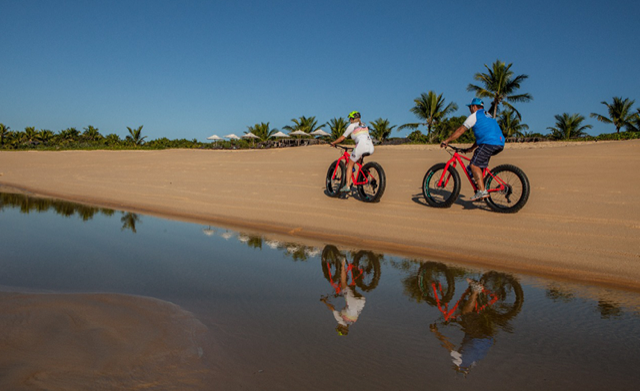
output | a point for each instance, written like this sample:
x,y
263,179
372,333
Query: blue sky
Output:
x,y
190,69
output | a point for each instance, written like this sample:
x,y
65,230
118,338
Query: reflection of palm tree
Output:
x,y
129,221
500,85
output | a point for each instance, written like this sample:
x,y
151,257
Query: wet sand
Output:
x,y
582,221
99,342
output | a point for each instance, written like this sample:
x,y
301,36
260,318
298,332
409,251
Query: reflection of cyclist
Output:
x,y
359,132
354,303
478,333
489,142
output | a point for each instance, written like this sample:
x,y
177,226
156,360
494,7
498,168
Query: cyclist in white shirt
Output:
x,y
359,132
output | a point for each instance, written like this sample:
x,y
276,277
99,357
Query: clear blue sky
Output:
x,y
190,69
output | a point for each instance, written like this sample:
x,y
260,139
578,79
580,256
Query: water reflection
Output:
x,y
27,204
344,276
486,305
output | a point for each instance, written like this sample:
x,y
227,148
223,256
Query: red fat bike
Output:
x,y
507,185
370,180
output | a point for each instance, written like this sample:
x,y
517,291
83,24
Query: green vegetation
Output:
x,y
499,84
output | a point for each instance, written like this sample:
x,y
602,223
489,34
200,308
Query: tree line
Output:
x,y
499,85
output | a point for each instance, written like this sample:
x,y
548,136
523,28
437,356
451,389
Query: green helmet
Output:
x,y
354,114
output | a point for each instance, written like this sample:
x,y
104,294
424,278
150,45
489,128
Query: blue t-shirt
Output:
x,y
485,128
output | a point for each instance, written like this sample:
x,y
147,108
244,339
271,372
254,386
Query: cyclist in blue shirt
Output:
x,y
489,142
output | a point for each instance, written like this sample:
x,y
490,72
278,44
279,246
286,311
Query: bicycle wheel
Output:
x,y
444,195
516,189
376,182
331,263
508,291
370,265
335,183
436,283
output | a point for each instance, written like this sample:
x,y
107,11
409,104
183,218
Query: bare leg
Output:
x,y
343,276
349,171
477,175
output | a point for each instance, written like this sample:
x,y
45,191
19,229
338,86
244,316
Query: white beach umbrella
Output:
x,y
214,137
232,136
298,133
279,134
249,135
320,132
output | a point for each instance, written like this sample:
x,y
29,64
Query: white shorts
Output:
x,y
363,145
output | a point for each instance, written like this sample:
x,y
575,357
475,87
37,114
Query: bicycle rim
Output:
x,y
509,191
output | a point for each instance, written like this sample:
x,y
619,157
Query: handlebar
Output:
x,y
343,147
463,150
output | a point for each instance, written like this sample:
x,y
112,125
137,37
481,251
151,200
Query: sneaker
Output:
x,y
475,285
480,195
345,189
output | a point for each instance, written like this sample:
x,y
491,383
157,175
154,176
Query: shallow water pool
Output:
x,y
134,300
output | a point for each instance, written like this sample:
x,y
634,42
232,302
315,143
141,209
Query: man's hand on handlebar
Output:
x,y
444,144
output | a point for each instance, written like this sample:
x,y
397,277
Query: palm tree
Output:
x,y
262,130
69,135
45,135
380,129
112,139
431,109
337,127
135,136
30,134
4,132
91,134
303,123
510,124
636,122
500,85
619,113
568,126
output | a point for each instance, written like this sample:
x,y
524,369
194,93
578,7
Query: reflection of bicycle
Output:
x,y
501,296
507,185
371,180
363,272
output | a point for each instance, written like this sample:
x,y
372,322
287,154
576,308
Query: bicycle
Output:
x,y
370,182
364,270
507,185
501,296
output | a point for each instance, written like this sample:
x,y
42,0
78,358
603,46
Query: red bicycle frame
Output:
x,y
350,268
444,307
345,158
456,159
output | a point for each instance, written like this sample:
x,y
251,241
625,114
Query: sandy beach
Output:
x,y
582,221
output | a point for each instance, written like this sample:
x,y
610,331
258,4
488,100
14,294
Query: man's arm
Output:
x,y
459,132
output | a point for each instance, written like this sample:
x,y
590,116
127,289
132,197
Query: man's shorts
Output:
x,y
483,153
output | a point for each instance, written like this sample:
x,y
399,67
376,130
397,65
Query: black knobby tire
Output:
x,y
335,184
377,182
441,196
516,192
509,293
431,273
331,263
371,271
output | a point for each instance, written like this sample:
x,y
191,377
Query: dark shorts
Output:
x,y
483,153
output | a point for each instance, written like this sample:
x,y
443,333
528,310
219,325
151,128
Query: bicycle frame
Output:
x,y
345,159
456,159
350,268
449,313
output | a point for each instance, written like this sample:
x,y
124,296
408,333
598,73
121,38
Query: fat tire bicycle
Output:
x,y
364,272
507,185
501,297
370,183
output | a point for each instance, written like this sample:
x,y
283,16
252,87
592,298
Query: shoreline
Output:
x,y
594,244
